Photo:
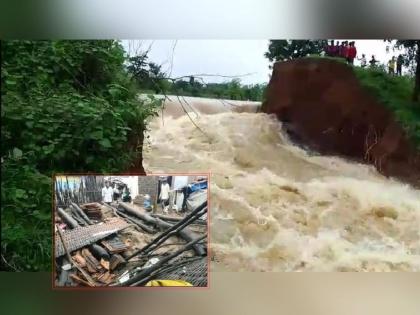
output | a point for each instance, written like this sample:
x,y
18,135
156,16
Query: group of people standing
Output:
x,y
165,190
114,193
348,51
395,65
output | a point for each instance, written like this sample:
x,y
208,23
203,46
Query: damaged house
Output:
x,y
144,240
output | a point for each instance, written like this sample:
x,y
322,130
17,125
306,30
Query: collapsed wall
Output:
x,y
323,106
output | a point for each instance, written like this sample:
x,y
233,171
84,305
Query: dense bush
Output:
x,y
26,216
67,106
395,93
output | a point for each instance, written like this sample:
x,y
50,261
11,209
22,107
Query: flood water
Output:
x,y
277,207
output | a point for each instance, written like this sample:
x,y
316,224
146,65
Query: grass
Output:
x,y
395,93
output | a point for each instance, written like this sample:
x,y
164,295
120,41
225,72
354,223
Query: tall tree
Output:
x,y
281,50
412,55
147,74
138,66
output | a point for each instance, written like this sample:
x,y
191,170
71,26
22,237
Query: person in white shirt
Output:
x,y
164,195
107,193
363,62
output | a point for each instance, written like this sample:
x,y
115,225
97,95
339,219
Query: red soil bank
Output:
x,y
322,105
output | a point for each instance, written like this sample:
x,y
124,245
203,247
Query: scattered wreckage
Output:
x,y
101,245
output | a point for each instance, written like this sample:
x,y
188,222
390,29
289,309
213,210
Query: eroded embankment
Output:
x,y
322,105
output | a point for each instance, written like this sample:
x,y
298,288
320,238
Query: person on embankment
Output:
x,y
337,49
373,61
400,61
330,49
391,66
351,53
343,50
363,61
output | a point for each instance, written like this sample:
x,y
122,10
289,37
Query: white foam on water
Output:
x,y
277,207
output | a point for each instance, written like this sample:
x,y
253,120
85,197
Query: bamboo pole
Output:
x,y
138,279
185,234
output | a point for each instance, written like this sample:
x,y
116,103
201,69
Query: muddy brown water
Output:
x,y
277,207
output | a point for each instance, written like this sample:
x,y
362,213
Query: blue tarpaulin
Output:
x,y
197,186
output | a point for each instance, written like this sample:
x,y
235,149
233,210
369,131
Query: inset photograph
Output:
x,y
130,231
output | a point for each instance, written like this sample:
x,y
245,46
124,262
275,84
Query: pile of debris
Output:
x,y
95,246
92,210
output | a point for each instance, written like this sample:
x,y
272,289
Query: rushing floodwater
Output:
x,y
277,207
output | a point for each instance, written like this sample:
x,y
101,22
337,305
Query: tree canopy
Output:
x,y
412,57
150,78
281,50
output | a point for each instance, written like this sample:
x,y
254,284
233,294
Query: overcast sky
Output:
x,y
228,57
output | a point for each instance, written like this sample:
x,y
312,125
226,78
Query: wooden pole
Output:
x,y
84,273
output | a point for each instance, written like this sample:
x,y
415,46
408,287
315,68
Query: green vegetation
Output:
x,y
396,94
68,106
399,94
412,60
151,79
281,50
232,90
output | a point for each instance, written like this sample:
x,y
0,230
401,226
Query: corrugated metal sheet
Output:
x,y
82,236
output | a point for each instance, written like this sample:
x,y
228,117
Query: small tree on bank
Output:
x,y
281,50
412,57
